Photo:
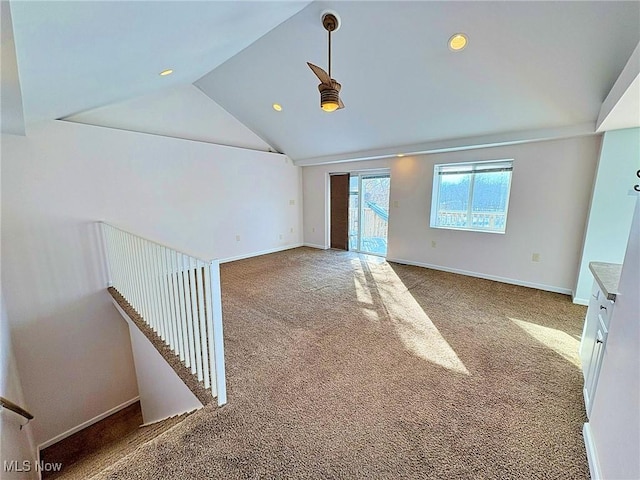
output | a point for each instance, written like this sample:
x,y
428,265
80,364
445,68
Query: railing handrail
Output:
x,y
195,257
9,405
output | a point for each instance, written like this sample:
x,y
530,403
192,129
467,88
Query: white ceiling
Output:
x,y
626,112
78,55
531,70
11,115
621,108
528,66
182,111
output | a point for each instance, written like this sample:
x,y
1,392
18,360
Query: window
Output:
x,y
471,196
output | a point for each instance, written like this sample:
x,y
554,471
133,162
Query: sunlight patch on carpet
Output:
x,y
411,323
560,342
360,281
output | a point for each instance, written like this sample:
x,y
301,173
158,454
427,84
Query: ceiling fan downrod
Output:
x,y
330,23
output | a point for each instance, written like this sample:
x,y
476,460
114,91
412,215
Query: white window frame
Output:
x,y
466,168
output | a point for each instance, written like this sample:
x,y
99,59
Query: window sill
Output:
x,y
463,229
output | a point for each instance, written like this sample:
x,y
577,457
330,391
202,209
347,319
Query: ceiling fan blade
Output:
x,y
340,104
320,73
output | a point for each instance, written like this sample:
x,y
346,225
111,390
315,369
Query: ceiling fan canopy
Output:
x,y
329,88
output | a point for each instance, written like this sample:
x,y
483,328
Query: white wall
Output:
x,y
611,205
15,444
72,348
163,394
550,193
615,416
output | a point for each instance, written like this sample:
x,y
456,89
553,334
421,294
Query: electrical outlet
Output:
x,y
395,204
535,257
280,236
291,229
237,238
313,229
292,202
433,244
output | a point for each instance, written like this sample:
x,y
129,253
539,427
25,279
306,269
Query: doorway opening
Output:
x,y
369,212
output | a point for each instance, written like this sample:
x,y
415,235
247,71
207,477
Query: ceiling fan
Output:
x,y
329,88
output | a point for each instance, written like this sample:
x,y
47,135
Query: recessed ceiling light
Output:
x,y
458,42
277,107
166,72
400,155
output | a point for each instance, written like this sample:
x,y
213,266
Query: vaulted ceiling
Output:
x,y
531,69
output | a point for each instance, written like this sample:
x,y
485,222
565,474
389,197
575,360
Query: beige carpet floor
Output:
x,y
345,366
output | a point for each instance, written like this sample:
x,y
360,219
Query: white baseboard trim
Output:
x,y
511,281
86,424
313,245
257,254
581,301
592,455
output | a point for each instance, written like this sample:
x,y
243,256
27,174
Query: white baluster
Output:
x,y
209,311
137,258
183,315
146,276
127,289
130,268
193,265
217,344
108,254
117,262
189,311
176,304
158,290
203,322
168,291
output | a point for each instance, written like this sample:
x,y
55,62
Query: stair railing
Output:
x,y
15,408
178,297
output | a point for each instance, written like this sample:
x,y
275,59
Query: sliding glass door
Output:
x,y
354,215
369,212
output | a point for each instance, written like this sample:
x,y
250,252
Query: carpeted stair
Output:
x,y
99,446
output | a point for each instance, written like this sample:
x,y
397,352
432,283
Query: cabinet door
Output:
x,y
589,331
595,362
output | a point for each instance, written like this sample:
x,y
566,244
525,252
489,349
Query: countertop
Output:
x,y
608,276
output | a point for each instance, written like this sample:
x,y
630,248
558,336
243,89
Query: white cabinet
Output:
x,y
594,342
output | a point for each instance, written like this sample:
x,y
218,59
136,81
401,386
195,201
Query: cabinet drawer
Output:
x,y
605,307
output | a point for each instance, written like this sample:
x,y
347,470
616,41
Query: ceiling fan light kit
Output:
x,y
329,98
329,88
